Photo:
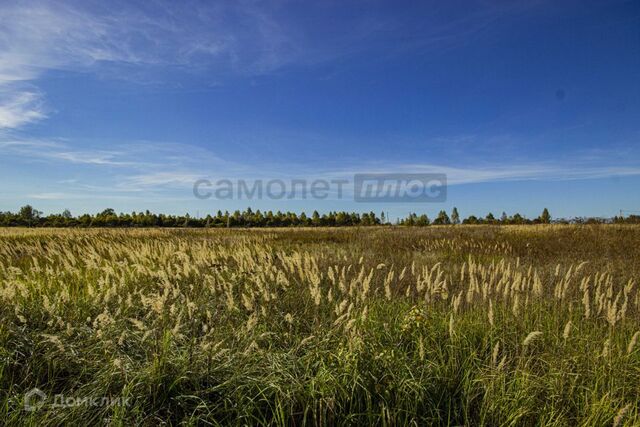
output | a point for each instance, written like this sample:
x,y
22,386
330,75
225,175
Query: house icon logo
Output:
x,y
34,399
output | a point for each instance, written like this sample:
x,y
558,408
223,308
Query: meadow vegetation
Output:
x,y
450,325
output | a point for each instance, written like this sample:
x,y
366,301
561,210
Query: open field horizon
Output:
x,y
330,213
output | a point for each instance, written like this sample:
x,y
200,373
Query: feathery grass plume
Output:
x,y
175,331
289,318
138,324
340,308
567,330
247,302
515,308
365,313
606,348
582,264
502,363
617,421
586,302
456,302
612,312
54,339
495,353
251,323
306,340
253,346
421,352
633,342
117,362
531,337
349,326
537,285
387,284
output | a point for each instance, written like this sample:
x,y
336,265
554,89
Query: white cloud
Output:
x,y
90,157
19,107
150,165
159,179
49,196
126,40
38,36
522,172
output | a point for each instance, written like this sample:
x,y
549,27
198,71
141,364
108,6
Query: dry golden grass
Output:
x,y
462,325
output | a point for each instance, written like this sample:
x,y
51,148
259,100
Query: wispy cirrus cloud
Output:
x,y
39,36
61,150
19,107
143,166
51,196
136,41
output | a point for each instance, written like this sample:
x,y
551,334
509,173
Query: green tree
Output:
x,y
29,215
455,216
545,216
472,219
422,221
518,219
315,219
442,218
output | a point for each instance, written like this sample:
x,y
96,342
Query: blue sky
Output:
x,y
126,104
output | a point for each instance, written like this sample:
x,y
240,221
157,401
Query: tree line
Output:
x,y
27,216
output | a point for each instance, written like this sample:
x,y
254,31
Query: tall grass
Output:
x,y
446,325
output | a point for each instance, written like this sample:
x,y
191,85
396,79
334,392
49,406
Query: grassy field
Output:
x,y
480,325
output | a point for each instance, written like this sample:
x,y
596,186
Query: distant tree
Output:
x,y
518,219
341,219
107,212
442,219
545,217
409,220
423,220
455,216
472,219
29,215
315,219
